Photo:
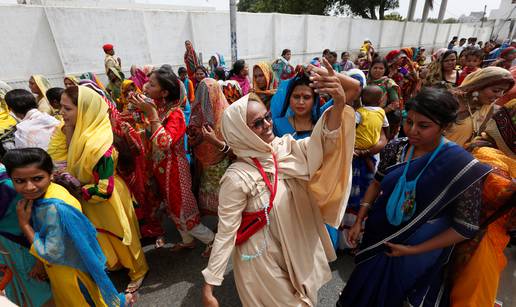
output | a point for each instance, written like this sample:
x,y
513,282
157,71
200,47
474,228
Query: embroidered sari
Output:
x,y
447,195
210,162
107,201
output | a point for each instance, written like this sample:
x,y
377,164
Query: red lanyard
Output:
x,y
266,179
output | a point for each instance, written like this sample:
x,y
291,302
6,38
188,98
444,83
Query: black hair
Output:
x,y
285,51
326,51
343,53
379,60
54,93
334,54
181,70
220,73
394,117
437,104
20,101
73,93
168,81
16,158
472,51
371,94
238,66
302,79
204,70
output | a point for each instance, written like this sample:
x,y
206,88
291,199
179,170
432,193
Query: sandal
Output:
x,y
181,246
160,242
207,251
134,286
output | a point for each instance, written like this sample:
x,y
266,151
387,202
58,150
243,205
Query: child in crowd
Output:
x,y
54,97
371,119
473,58
59,234
394,118
189,87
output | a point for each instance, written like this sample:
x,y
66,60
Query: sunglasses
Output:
x,y
260,122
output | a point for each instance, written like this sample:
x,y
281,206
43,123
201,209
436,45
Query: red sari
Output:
x,y
172,170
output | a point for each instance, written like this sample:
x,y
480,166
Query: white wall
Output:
x,y
62,40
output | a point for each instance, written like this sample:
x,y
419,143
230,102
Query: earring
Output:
x,y
474,96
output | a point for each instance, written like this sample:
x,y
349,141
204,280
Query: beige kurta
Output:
x,y
463,132
296,246
45,107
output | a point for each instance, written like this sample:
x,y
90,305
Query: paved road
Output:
x,y
175,279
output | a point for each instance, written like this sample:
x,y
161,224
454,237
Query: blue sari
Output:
x,y
64,236
380,280
23,289
280,109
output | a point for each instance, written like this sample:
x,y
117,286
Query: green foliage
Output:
x,y
393,16
363,8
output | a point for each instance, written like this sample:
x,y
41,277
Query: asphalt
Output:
x,y
175,279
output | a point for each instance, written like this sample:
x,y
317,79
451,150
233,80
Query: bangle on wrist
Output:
x,y
365,205
225,149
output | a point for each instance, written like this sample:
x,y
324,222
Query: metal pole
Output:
x,y
411,10
483,15
426,10
442,10
233,27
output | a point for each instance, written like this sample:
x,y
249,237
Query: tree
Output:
x,y
363,8
313,7
393,16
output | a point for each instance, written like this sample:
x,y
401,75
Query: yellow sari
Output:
x,y
43,85
6,120
92,138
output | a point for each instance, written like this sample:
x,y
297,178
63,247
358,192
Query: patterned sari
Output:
x,y
447,195
210,162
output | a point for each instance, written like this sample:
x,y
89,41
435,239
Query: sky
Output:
x,y
455,8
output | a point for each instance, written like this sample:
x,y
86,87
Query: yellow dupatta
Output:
x,y
92,136
43,85
72,78
6,120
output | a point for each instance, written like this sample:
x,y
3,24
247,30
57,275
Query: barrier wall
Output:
x,y
55,41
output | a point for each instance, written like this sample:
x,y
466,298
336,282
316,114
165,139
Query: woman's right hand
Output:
x,y
208,300
354,233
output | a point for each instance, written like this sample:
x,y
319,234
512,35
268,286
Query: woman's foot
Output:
x,y
207,251
134,286
182,246
160,242
130,299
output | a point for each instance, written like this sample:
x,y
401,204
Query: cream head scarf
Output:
x,y
92,136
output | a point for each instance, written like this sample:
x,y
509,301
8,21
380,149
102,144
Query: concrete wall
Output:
x,y
55,41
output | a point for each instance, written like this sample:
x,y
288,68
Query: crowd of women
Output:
x,y
405,162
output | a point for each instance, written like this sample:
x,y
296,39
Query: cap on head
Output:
x,y
107,47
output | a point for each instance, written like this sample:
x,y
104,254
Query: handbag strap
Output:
x,y
271,188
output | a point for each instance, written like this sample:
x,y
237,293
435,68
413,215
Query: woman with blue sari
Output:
x,y
425,198
59,234
25,288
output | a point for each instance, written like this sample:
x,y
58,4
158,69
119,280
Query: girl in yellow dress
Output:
x,y
60,235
